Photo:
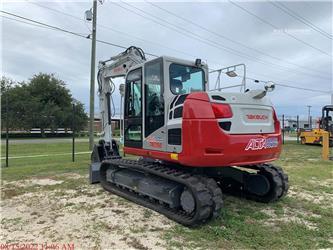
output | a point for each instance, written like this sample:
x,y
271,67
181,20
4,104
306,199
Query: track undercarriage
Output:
x,y
190,197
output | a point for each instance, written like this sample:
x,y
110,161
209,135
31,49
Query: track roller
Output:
x,y
184,197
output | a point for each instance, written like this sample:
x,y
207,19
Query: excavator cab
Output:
x,y
149,89
168,109
326,122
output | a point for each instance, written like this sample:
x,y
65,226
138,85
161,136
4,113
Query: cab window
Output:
x,y
154,100
133,109
133,98
186,79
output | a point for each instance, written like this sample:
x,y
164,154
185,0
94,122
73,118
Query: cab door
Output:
x,y
133,109
154,121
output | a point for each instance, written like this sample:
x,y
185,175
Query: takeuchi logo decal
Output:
x,y
257,117
262,143
154,142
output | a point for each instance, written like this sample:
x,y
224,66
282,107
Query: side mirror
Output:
x,y
122,89
269,86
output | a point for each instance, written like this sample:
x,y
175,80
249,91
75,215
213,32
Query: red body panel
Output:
x,y
205,144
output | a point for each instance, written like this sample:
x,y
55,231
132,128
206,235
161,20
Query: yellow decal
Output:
x,y
174,157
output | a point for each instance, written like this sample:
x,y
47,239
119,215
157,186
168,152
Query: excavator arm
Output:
x,y
117,66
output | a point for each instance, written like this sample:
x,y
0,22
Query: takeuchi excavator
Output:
x,y
193,144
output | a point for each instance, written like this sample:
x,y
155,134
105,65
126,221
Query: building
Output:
x,y
115,122
290,123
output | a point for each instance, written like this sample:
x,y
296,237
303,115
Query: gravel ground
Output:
x,y
51,211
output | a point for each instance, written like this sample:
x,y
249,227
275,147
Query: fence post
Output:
x,y
310,122
73,133
297,121
282,129
7,131
325,146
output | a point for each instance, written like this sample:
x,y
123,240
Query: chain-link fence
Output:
x,y
291,126
11,133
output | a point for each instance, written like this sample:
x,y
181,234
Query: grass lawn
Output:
x,y
302,220
39,166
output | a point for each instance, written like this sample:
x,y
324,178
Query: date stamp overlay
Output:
x,y
37,246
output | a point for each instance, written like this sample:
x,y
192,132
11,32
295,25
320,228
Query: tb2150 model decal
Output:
x,y
262,143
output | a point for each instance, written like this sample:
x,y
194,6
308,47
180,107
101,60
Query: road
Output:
x,y
69,140
290,138
45,140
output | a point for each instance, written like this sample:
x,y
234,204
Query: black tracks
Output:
x,y
205,190
207,195
277,179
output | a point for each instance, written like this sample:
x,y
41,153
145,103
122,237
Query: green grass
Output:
x,y
242,224
50,165
44,148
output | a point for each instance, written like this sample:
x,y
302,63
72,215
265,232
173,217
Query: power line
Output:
x,y
21,21
290,82
111,29
67,31
293,14
277,28
288,86
300,88
121,32
117,31
227,38
43,24
256,80
177,29
55,28
204,40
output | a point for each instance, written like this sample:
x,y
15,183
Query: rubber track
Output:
x,y
284,178
205,191
216,192
278,185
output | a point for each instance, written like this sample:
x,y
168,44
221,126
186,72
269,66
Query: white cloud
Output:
x,y
27,50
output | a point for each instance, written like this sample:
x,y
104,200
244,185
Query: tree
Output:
x,y
6,83
10,92
43,102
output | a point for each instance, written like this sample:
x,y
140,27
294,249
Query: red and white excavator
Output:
x,y
193,143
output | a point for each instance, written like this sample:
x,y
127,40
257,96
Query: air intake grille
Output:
x,y
175,136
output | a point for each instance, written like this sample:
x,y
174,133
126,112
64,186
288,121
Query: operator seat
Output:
x,y
176,86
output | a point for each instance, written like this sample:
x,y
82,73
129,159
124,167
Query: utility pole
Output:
x,y
7,130
73,132
283,129
309,115
297,122
92,77
332,94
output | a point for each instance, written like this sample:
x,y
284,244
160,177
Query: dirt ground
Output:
x,y
48,201
65,210
52,212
